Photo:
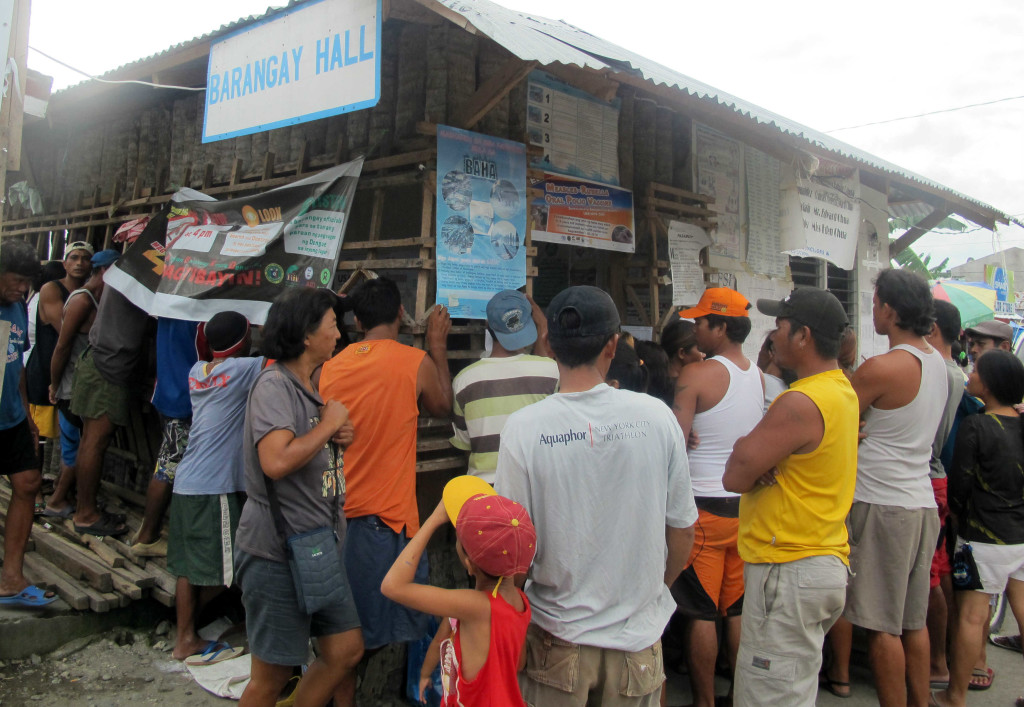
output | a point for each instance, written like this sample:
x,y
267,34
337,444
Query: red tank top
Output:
x,y
497,683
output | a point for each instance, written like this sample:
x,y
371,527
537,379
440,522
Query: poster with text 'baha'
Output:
x,y
200,256
481,219
581,213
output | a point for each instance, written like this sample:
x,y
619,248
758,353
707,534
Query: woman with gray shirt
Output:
x,y
294,482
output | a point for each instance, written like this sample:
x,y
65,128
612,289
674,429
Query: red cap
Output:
x,y
497,535
723,301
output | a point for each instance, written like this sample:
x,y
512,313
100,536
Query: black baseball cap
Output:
x,y
812,307
596,311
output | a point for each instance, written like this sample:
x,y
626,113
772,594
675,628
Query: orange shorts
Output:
x,y
712,583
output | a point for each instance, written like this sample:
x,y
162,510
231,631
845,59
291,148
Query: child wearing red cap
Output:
x,y
482,642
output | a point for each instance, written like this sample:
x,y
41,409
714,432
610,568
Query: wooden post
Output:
x,y
426,229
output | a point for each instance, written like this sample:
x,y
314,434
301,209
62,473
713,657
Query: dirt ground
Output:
x,y
117,668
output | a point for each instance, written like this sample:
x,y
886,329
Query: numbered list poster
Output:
x,y
578,132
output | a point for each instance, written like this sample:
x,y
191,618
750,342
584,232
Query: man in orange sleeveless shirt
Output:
x,y
381,382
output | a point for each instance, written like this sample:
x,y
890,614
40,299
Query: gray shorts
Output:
x,y
278,632
891,552
563,674
788,609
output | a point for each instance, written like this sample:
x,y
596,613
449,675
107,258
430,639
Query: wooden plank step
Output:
x,y
67,587
74,560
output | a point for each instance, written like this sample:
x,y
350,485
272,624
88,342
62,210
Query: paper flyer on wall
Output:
x,y
582,213
685,241
481,219
200,256
764,204
578,133
821,218
718,166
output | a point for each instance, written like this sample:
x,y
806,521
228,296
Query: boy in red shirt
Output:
x,y
486,631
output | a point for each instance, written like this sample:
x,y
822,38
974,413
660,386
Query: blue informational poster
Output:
x,y
481,219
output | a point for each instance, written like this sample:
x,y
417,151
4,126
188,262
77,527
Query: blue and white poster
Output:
x,y
481,219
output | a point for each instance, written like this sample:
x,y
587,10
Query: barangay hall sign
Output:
x,y
318,59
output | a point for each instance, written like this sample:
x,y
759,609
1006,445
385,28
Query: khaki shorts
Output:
x,y
891,552
563,674
788,609
92,396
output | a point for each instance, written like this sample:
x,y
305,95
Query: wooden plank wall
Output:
x,y
429,73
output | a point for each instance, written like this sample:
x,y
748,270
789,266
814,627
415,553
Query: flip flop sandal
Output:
x,y
215,652
106,525
30,596
39,509
1009,642
832,686
65,512
985,677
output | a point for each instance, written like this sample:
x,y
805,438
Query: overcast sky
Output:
x,y
826,65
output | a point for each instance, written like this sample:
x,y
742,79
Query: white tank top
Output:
x,y
892,462
735,415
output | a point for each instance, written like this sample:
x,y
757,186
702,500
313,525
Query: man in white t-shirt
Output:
x,y
720,399
603,473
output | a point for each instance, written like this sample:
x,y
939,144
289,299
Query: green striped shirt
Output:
x,y
486,393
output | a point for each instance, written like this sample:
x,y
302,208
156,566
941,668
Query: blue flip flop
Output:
x,y
215,652
30,596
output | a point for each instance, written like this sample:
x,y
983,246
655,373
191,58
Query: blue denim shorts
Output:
x,y
70,437
371,547
278,632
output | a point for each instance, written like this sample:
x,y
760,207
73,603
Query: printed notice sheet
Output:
x,y
685,242
764,202
719,167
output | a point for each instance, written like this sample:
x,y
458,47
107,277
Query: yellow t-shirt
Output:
x,y
804,514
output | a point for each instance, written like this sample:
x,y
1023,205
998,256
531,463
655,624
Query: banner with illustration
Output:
x,y
481,219
588,214
200,256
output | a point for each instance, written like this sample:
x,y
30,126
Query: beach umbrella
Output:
x,y
975,300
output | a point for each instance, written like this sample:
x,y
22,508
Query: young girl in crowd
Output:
x,y
986,496
627,371
680,343
481,644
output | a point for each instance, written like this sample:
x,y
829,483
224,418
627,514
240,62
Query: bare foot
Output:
x,y
183,648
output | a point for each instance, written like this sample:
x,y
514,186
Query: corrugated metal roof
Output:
x,y
549,41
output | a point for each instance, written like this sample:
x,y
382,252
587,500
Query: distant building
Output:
x,y
1011,258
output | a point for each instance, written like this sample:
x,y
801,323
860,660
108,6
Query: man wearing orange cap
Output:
x,y
721,399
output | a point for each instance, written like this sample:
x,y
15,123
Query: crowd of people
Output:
x,y
613,485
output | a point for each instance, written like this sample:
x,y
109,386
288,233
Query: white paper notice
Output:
x,y
764,202
685,242
719,164
316,233
821,219
250,241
